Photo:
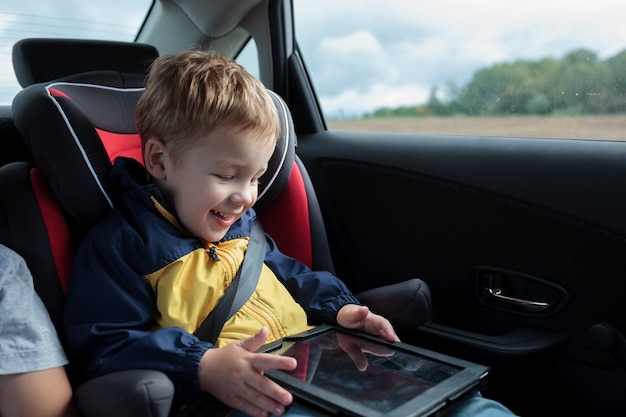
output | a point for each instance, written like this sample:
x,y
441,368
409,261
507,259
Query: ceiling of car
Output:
x,y
216,18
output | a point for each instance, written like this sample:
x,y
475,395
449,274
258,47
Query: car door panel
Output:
x,y
521,241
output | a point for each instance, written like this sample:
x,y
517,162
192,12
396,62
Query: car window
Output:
x,y
117,20
536,69
248,58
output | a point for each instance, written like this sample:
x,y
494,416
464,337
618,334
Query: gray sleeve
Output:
x,y
28,339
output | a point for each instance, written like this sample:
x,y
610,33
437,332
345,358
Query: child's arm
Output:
x,y
352,316
110,316
324,297
320,293
234,375
44,393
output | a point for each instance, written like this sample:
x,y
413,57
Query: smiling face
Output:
x,y
213,184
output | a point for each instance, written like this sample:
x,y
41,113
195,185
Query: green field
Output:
x,y
583,127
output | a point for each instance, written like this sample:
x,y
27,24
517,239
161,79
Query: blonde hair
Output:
x,y
190,93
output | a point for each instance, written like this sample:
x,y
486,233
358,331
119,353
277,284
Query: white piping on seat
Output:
x,y
286,132
73,133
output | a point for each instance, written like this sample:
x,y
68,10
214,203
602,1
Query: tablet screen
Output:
x,y
364,371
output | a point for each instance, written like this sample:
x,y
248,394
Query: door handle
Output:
x,y
528,306
517,292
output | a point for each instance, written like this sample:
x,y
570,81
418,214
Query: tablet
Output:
x,y
341,372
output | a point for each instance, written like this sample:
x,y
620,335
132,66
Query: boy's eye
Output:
x,y
225,177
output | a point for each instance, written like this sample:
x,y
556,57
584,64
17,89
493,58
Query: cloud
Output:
x,y
369,52
353,103
355,60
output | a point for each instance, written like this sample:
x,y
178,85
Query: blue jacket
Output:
x,y
116,315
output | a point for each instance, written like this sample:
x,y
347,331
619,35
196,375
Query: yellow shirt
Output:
x,y
188,289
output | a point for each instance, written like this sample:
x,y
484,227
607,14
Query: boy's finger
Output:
x,y
268,392
265,361
252,343
358,314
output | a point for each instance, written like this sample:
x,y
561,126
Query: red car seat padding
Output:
x,y
57,231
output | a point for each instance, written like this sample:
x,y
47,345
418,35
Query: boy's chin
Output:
x,y
215,237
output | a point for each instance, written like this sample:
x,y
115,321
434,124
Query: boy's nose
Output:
x,y
244,196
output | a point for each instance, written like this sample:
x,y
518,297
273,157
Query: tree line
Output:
x,y
578,84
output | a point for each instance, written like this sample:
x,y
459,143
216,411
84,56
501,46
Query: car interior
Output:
x,y
505,251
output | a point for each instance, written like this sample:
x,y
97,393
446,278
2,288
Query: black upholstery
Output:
x,y
133,393
37,60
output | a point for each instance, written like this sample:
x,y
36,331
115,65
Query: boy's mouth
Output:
x,y
223,219
220,214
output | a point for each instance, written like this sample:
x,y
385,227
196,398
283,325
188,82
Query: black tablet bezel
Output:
x,y
469,377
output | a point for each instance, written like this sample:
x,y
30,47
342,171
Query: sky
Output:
x,y
369,54
32,18
393,52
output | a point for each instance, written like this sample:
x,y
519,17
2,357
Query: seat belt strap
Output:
x,y
239,290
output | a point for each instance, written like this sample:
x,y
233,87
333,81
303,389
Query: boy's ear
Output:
x,y
154,158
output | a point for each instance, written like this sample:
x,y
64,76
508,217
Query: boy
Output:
x,y
148,274
33,381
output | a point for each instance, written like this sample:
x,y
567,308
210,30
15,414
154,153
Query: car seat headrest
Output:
x,y
77,115
72,130
37,60
76,129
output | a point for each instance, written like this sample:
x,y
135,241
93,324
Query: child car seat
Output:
x,y
92,115
76,123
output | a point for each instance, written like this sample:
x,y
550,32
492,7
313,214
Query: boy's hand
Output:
x,y
352,316
234,375
356,348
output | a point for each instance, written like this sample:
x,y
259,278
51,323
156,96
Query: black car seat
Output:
x,y
77,120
